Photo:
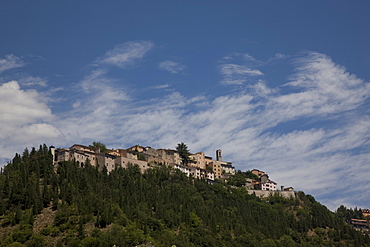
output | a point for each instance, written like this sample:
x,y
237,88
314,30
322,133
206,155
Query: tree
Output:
x,y
100,145
184,153
237,180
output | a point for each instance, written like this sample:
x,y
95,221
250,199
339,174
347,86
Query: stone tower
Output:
x,y
218,155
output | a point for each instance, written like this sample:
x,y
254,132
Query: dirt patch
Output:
x,y
44,219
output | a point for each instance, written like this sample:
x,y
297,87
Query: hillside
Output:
x,y
73,206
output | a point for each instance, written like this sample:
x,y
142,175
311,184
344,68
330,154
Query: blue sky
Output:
x,y
281,86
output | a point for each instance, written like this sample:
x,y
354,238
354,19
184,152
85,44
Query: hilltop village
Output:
x,y
199,166
94,196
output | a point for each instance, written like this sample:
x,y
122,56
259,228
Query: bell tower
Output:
x,y
219,155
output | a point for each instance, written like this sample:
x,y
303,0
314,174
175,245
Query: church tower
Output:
x,y
218,155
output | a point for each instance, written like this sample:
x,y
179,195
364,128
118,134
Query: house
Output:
x,y
287,189
227,168
184,169
359,224
137,148
77,152
366,213
249,183
196,172
199,160
80,154
168,156
258,172
125,162
205,174
218,166
269,185
264,178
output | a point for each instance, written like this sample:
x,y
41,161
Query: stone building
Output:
x,y
199,160
258,172
77,152
200,165
268,185
80,154
218,166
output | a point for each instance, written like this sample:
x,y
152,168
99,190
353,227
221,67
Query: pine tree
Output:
x,y
184,153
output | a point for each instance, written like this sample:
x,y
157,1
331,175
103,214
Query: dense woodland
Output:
x,y
72,206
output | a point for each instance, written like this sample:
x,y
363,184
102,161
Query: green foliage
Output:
x,y
239,179
16,244
50,230
100,145
349,213
249,174
91,242
162,206
22,234
141,156
37,241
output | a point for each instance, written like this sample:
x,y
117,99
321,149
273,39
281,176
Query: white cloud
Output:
x,y
237,74
18,106
126,54
97,82
76,104
99,109
10,62
28,80
37,133
162,86
324,88
239,68
277,57
261,89
25,120
232,69
171,66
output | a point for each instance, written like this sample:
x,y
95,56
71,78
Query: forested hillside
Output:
x,y
85,207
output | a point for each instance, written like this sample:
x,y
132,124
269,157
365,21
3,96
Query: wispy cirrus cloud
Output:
x,y
237,74
162,86
10,62
28,80
171,66
241,68
126,54
323,88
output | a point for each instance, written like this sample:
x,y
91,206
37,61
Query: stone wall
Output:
x,y
265,193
